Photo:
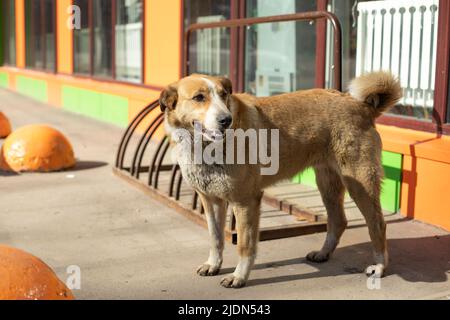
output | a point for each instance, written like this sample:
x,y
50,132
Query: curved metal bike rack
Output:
x,y
134,145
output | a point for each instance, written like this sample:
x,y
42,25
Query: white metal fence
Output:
x,y
400,36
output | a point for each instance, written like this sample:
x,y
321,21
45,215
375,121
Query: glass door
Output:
x,y
209,49
279,57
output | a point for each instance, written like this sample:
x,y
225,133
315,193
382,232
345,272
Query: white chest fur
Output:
x,y
211,179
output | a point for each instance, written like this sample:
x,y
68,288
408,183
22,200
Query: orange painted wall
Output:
x,y
411,142
20,33
138,97
135,93
64,37
425,185
54,92
12,81
162,41
426,173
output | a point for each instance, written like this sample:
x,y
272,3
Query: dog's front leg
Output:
x,y
215,212
247,222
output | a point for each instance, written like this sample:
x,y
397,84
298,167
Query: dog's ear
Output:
x,y
227,85
168,98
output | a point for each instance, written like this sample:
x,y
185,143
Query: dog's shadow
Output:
x,y
414,260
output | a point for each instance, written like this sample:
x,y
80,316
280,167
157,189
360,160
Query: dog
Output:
x,y
328,130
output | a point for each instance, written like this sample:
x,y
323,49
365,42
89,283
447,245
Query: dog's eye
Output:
x,y
223,94
199,98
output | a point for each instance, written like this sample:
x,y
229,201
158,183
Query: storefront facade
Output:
x,y
107,59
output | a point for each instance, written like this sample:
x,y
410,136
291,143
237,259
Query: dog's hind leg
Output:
x,y
247,222
363,183
332,191
215,212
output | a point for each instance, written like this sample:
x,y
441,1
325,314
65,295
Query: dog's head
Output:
x,y
200,99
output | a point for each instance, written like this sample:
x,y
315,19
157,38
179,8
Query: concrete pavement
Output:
x,y
131,247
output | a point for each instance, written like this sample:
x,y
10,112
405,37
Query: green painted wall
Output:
x,y
115,109
4,80
390,192
33,88
101,106
307,177
390,188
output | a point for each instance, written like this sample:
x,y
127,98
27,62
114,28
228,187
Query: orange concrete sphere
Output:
x,y
25,277
5,126
36,148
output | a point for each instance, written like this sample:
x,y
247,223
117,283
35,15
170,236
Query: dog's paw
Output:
x,y
207,270
232,282
318,256
375,270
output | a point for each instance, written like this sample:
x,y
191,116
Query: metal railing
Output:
x,y
313,15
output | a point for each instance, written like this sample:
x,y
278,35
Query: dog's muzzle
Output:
x,y
224,122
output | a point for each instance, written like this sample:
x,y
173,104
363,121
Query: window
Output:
x,y
102,21
9,35
109,42
129,40
280,57
209,49
49,34
81,40
408,38
400,36
40,35
277,57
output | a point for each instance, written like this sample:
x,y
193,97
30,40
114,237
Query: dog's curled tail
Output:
x,y
380,89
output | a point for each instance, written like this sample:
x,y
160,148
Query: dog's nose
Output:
x,y
225,121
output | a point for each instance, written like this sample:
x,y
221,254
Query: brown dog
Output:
x,y
332,132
